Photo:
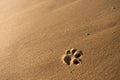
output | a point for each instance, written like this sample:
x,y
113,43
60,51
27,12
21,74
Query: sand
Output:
x,y
35,34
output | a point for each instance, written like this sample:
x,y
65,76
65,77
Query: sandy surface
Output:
x,y
34,35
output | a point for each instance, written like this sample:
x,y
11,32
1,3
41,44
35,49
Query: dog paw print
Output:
x,y
72,56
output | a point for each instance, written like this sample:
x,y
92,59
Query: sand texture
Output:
x,y
59,39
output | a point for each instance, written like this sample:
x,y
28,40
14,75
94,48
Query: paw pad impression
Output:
x,y
72,56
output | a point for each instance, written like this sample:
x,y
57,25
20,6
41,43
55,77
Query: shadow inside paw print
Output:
x,y
75,61
73,50
78,54
72,56
67,60
67,52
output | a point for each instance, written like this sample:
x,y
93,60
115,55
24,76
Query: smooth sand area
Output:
x,y
36,35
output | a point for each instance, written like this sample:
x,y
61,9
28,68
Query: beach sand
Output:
x,y
35,34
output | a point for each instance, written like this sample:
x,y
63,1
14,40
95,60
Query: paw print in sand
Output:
x,y
72,56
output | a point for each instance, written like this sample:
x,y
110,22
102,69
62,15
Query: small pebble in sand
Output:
x,y
113,8
88,34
